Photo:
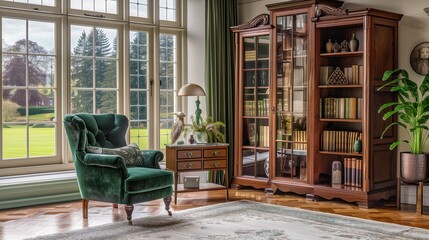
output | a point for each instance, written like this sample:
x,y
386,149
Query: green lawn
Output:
x,y
42,141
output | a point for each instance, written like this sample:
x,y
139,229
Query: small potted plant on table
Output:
x,y
412,110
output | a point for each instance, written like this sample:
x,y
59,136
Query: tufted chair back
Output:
x,y
100,130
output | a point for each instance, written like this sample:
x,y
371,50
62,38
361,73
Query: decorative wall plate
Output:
x,y
419,58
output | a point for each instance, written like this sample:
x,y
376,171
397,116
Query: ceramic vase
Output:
x,y
329,46
357,146
354,43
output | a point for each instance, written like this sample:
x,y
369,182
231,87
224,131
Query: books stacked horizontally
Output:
x,y
343,108
250,55
339,141
353,171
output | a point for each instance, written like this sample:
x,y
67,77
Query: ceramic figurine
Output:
x,y
344,46
336,47
336,172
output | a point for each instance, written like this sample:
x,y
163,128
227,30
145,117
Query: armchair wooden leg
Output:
x,y
167,202
129,210
115,205
85,208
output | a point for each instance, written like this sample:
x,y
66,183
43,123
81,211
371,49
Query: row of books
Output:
x,y
262,107
353,171
283,104
344,108
299,75
353,74
264,136
339,141
300,136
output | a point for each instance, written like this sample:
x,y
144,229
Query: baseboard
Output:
x,y
37,193
409,194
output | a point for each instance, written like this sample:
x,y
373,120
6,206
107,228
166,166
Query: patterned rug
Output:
x,y
247,220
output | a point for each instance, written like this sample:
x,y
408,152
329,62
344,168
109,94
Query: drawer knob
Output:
x,y
189,154
189,165
215,164
215,153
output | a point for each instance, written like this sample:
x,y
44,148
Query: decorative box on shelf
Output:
x,y
191,182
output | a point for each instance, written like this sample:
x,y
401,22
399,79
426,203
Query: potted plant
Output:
x,y
412,110
207,131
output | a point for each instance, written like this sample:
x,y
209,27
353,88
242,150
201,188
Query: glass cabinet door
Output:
x,y
291,96
255,119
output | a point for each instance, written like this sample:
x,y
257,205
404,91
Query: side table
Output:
x,y
419,195
195,158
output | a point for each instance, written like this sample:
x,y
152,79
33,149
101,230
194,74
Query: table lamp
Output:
x,y
192,89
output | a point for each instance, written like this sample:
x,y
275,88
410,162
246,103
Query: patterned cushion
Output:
x,y
131,153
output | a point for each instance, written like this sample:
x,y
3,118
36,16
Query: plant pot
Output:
x,y
414,167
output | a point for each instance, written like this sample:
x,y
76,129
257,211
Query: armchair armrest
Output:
x,y
107,161
151,158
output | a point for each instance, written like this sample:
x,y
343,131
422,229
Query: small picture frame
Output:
x,y
419,58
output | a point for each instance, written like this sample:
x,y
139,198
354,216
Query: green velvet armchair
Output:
x,y
106,178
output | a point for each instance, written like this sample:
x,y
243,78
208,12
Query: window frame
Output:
x,y
33,7
150,15
180,5
178,102
119,84
151,81
43,160
97,15
64,17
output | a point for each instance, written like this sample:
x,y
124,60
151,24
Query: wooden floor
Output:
x,y
63,217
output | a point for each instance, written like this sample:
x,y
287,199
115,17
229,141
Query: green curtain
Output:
x,y
219,71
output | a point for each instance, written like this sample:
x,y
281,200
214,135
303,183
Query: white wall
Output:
x,y
196,52
413,28
196,59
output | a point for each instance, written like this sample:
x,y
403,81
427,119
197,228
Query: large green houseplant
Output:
x,y
412,111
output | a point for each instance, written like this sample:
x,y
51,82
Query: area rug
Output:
x,y
247,220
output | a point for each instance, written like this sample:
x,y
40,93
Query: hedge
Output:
x,y
35,110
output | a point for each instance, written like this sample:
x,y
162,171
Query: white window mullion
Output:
x,y
156,90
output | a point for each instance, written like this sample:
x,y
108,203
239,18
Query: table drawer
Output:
x,y
212,164
189,154
189,165
217,152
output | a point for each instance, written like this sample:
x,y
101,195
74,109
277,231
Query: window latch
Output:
x,y
94,15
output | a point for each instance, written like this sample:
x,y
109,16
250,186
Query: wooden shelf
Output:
x,y
257,117
340,86
255,148
343,54
339,187
340,120
342,153
203,187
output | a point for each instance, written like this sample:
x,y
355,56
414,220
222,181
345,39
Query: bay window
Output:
x,y
95,56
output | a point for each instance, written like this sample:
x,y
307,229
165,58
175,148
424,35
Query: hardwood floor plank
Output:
x,y
63,217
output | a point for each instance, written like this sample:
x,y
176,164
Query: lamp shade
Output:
x,y
191,89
